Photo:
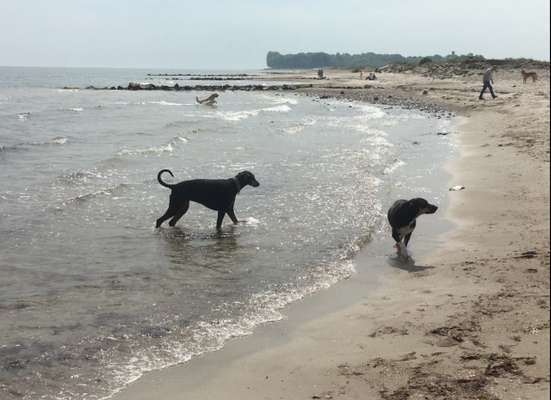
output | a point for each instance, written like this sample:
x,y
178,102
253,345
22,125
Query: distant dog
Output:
x,y
216,194
526,75
402,218
209,101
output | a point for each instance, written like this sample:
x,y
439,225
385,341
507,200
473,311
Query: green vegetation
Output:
x,y
344,60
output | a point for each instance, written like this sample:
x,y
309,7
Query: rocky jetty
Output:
x,y
226,87
206,75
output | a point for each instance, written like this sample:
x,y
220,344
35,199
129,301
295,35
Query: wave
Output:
x,y
180,139
167,103
293,130
394,166
281,99
179,344
241,115
279,108
167,148
80,176
58,140
155,150
109,191
237,115
370,112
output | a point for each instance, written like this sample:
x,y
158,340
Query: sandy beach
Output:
x,y
469,321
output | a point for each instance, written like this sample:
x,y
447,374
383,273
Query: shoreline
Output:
x,y
473,325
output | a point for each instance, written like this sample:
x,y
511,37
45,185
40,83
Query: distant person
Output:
x,y
488,81
371,77
361,75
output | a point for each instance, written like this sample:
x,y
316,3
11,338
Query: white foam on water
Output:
x,y
251,221
165,103
293,130
75,109
167,148
59,140
242,115
281,99
181,139
237,115
393,167
369,111
209,336
280,108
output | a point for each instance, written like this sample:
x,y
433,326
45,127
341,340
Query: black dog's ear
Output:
x,y
247,178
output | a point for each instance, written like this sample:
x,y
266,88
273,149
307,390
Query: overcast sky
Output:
x,y
223,34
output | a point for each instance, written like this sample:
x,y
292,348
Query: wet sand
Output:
x,y
469,321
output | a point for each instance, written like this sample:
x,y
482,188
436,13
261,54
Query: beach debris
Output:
x,y
457,188
528,254
500,365
388,330
425,92
408,356
443,133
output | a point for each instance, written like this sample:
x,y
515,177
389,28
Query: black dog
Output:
x,y
402,216
216,194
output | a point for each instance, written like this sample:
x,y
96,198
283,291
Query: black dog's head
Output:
x,y
421,206
247,178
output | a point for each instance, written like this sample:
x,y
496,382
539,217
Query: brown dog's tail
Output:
x,y
161,181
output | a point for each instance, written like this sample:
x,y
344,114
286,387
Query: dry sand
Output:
x,y
471,321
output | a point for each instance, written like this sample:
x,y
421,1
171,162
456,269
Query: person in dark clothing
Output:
x,y
488,81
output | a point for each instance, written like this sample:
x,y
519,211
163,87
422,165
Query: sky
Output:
x,y
237,34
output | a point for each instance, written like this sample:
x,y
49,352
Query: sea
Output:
x,y
92,295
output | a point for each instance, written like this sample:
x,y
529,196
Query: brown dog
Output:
x,y
526,75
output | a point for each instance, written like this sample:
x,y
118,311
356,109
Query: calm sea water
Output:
x,y
92,295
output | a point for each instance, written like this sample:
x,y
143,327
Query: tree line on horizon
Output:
x,y
277,60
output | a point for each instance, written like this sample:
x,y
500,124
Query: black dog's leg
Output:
x,y
396,236
406,240
169,213
231,214
221,215
179,214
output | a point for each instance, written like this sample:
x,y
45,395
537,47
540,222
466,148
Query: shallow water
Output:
x,y
92,295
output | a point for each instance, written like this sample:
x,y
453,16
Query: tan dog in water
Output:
x,y
526,75
209,101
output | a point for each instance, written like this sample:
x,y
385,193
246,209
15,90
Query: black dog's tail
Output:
x,y
161,181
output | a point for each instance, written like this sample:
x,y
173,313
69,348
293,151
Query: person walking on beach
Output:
x,y
488,81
